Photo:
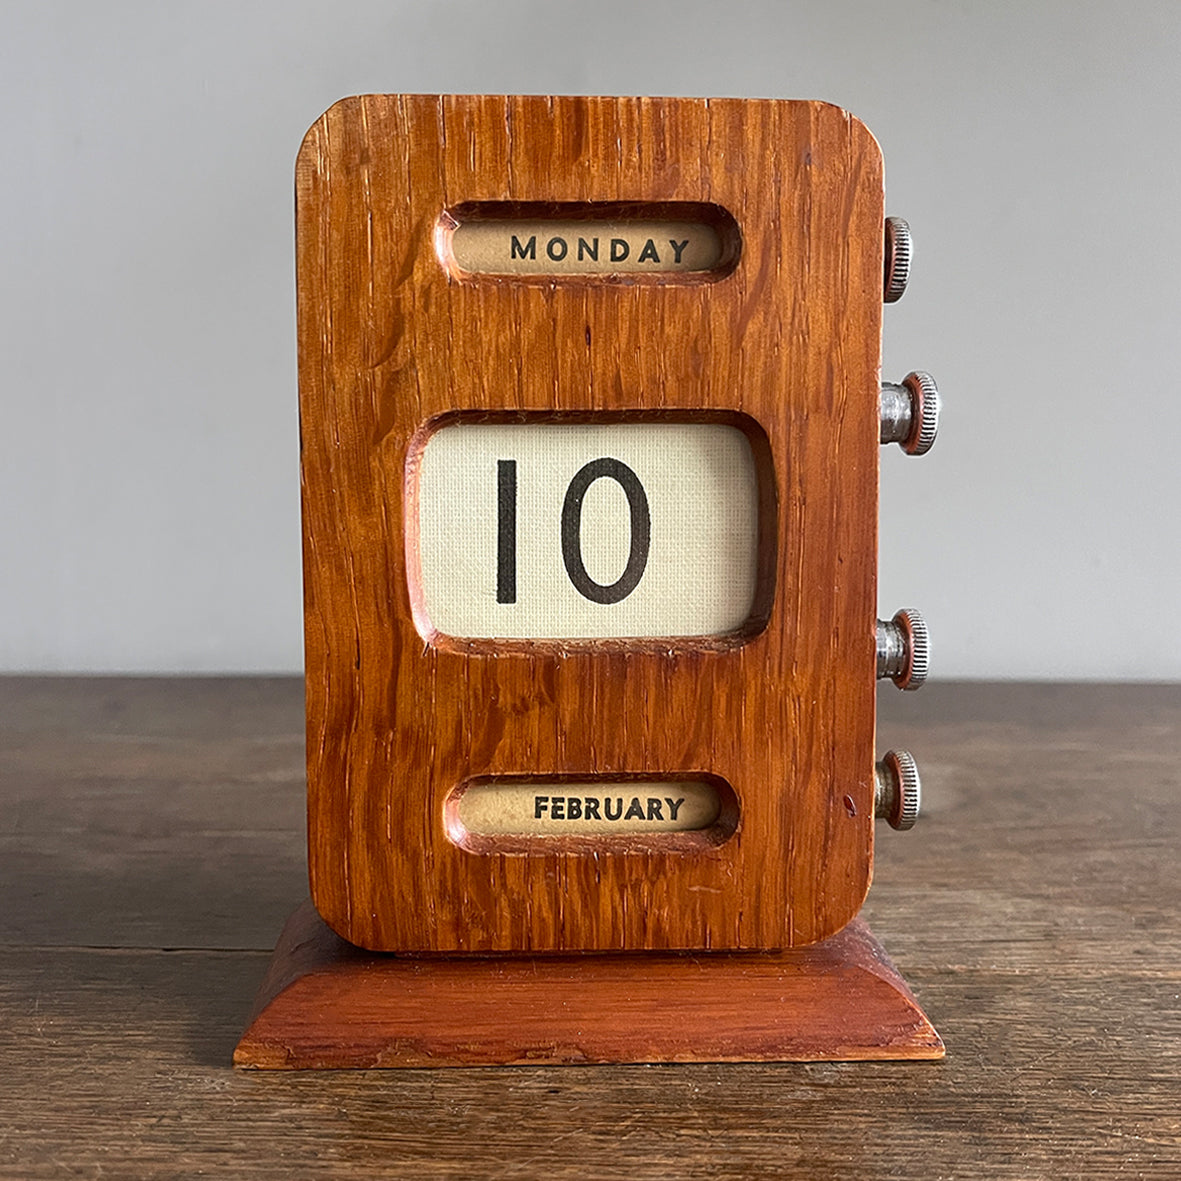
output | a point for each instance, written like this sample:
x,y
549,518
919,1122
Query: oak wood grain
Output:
x,y
391,342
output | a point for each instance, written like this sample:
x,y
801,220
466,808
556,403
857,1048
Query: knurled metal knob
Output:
x,y
910,412
898,791
904,649
897,259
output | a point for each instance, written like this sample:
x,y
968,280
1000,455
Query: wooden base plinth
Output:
x,y
325,1004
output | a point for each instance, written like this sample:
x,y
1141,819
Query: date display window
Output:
x,y
571,531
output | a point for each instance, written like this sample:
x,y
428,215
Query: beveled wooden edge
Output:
x,y
325,1004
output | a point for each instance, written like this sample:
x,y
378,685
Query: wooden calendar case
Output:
x,y
589,404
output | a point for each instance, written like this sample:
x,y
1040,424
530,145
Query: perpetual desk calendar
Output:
x,y
591,415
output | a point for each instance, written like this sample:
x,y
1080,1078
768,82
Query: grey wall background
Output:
x,y
148,452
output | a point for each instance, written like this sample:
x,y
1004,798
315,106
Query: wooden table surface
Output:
x,y
151,846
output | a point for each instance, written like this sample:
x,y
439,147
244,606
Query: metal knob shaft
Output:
x,y
897,259
910,413
898,791
904,649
